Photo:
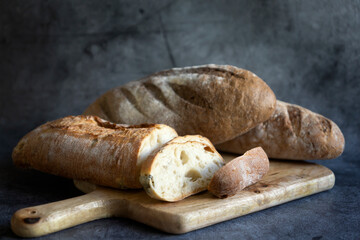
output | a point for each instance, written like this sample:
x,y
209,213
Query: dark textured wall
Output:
x,y
56,57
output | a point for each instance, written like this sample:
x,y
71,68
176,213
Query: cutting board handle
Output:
x,y
48,218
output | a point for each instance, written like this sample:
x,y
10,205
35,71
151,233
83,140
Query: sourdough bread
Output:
x,y
91,149
219,102
293,133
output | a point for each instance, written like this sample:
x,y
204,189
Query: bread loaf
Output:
x,y
239,173
182,167
292,132
91,149
216,101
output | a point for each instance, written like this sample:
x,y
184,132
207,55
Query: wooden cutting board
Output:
x,y
286,181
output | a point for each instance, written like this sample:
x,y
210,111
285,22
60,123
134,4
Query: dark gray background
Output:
x,y
56,57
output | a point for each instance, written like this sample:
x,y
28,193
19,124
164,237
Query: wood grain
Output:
x,y
286,181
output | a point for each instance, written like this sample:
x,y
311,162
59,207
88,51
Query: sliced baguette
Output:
x,y
91,149
239,173
293,133
180,168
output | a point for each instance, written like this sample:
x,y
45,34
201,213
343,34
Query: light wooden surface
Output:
x,y
286,181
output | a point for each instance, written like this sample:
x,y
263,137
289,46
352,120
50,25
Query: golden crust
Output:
x,y
292,132
86,148
216,101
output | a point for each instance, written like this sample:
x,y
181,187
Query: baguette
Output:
x,y
219,102
293,133
182,167
239,173
91,149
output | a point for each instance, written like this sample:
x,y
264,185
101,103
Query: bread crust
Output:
x,y
219,102
86,148
194,138
293,133
239,173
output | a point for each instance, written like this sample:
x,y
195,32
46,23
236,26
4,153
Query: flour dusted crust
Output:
x,y
216,101
239,173
182,167
91,149
292,132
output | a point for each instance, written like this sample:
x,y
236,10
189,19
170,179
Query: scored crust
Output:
x,y
216,101
180,168
293,133
91,149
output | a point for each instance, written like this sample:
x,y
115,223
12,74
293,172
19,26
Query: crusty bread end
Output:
x,y
239,173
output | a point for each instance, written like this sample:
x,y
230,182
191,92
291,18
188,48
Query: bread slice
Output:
x,y
181,168
239,173
91,149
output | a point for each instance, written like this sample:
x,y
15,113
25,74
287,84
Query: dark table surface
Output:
x,y
333,214
56,57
